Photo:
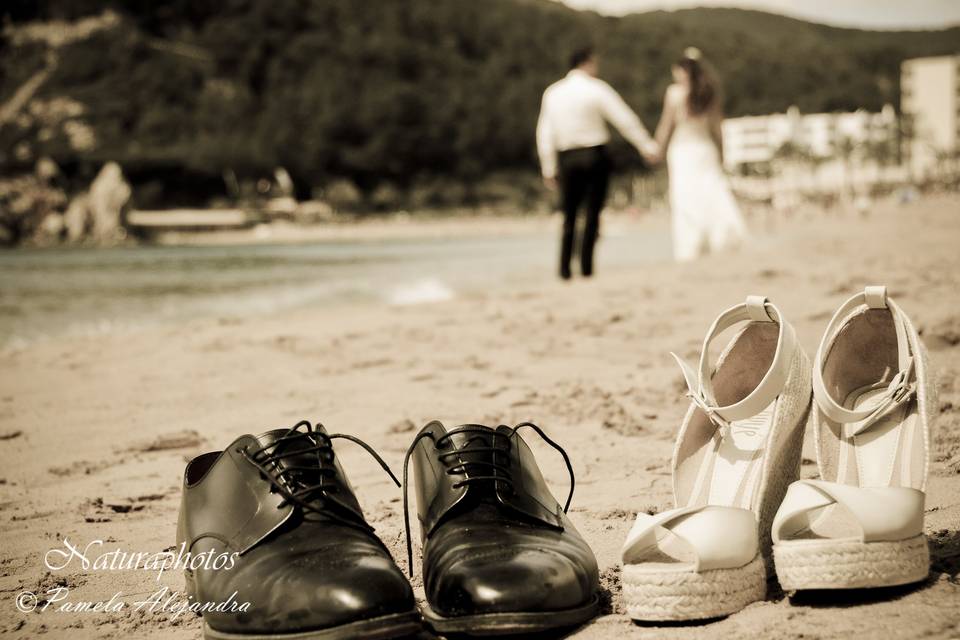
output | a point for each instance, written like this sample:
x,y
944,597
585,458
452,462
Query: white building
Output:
x,y
930,101
754,139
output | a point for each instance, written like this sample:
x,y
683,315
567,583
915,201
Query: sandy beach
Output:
x,y
95,432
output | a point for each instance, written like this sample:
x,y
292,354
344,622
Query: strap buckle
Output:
x,y
901,388
696,394
899,391
711,412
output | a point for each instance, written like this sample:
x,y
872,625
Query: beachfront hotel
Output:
x,y
930,101
760,139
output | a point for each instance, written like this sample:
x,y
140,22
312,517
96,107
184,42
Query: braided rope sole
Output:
x,y
832,564
686,595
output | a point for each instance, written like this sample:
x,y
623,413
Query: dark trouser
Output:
x,y
584,174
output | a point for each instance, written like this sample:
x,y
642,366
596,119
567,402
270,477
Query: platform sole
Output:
x,y
686,595
831,564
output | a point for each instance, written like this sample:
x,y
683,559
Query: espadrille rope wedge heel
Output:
x,y
737,451
861,525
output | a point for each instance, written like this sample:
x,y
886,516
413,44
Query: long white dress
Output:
x,y
705,215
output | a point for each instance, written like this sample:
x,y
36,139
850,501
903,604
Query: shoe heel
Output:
x,y
787,458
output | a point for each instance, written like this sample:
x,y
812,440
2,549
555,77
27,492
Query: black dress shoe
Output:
x,y
307,562
499,553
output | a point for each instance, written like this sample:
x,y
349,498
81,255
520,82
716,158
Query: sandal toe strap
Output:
x,y
713,537
881,513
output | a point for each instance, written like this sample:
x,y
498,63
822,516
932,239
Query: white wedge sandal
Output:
x,y
861,525
737,451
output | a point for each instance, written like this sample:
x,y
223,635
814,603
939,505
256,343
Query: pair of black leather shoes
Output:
x,y
499,554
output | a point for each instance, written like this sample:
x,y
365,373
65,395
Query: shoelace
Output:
x,y
289,481
498,472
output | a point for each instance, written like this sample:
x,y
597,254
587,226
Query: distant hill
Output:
x,y
769,62
397,91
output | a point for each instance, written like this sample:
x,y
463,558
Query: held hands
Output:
x,y
652,154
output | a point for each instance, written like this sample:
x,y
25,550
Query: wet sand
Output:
x,y
94,432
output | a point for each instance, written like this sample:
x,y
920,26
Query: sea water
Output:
x,y
70,291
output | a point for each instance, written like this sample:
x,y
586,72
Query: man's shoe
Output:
x,y
305,559
499,553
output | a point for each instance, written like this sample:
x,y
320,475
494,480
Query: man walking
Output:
x,y
572,136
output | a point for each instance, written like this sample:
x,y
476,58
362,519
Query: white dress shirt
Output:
x,y
574,114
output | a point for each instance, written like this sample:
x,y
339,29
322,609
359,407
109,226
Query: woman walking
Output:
x,y
705,215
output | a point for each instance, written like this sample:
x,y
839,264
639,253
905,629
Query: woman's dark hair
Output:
x,y
704,87
580,55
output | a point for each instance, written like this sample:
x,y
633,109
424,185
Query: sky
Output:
x,y
864,14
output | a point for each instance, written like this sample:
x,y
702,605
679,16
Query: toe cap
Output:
x,y
304,591
501,580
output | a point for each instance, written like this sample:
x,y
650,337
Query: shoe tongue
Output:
x,y
478,435
284,446
466,443
269,437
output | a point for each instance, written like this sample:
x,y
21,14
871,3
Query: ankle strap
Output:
x,y
900,389
699,384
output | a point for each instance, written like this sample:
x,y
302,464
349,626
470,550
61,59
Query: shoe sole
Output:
x,y
831,564
495,624
396,625
657,596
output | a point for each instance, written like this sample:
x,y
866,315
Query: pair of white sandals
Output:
x,y
741,510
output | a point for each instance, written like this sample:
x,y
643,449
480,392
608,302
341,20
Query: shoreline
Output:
x,y
78,292
375,228
399,225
